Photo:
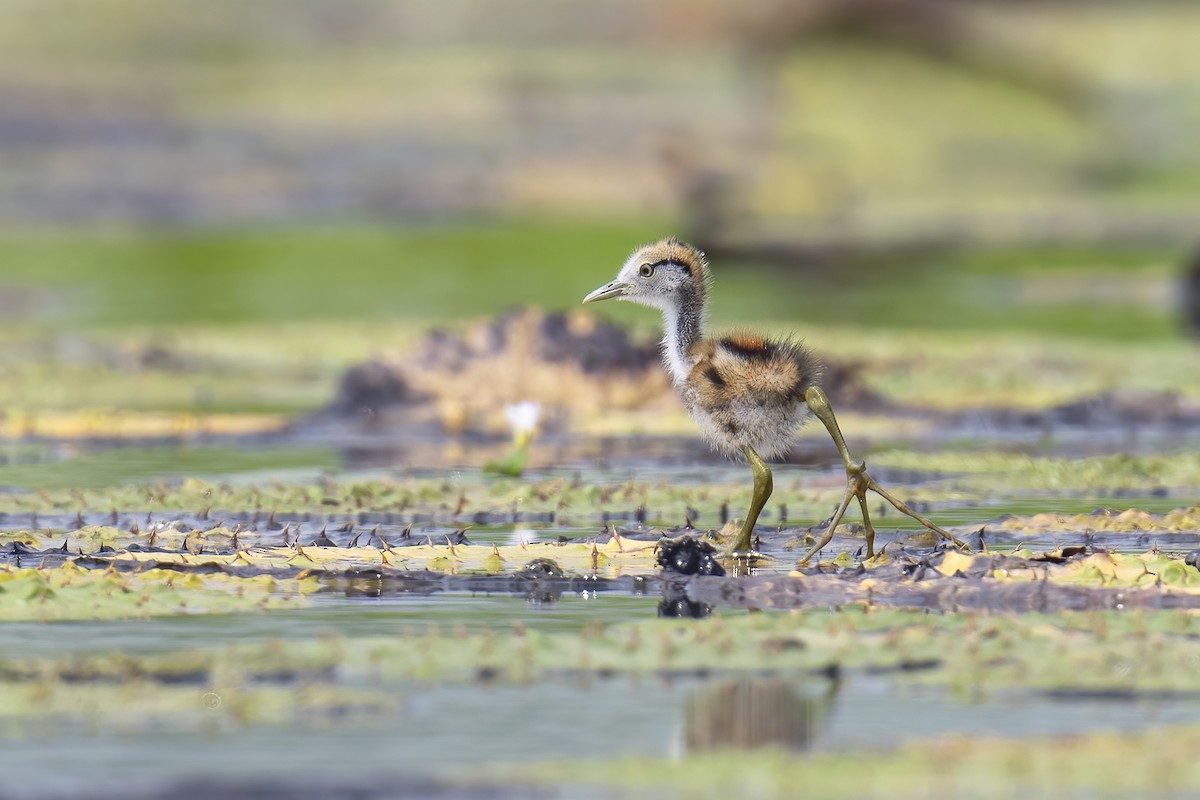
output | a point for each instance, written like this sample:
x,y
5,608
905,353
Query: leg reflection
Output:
x,y
750,713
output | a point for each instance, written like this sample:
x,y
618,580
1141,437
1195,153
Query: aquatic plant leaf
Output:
x,y
73,593
613,559
955,563
1103,519
186,701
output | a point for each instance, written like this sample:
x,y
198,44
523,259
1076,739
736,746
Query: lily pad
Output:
x,y
70,592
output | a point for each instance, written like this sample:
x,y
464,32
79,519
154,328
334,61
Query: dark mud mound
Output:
x,y
595,345
371,386
568,361
1127,406
460,382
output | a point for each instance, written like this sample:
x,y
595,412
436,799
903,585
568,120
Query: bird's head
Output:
x,y
662,275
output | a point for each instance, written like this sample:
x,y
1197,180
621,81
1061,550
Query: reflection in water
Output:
x,y
522,536
364,587
543,595
542,578
749,713
676,603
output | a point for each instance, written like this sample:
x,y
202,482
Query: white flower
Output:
x,y
523,419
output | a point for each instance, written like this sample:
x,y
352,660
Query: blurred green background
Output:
x,y
292,185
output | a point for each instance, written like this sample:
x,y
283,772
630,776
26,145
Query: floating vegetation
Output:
x,y
1105,519
609,560
568,499
70,592
1062,580
395,526
973,652
989,471
129,703
1157,762
434,507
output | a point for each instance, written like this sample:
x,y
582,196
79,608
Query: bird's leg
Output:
x,y
763,484
858,483
868,530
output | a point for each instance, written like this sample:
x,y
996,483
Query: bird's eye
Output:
x,y
646,270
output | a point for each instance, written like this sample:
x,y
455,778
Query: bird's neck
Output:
x,y
683,326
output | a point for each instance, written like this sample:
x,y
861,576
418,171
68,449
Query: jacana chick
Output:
x,y
748,394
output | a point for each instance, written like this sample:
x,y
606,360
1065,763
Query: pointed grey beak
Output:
x,y
614,289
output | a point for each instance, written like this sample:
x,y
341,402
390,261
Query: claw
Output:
x,y
858,483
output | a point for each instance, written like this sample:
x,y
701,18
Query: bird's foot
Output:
x,y
746,547
751,556
858,483
904,509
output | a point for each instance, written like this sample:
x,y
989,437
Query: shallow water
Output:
x,y
442,730
361,616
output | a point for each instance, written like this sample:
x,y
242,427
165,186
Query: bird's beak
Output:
x,y
614,289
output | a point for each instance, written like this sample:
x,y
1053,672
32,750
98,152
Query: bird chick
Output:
x,y
747,393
